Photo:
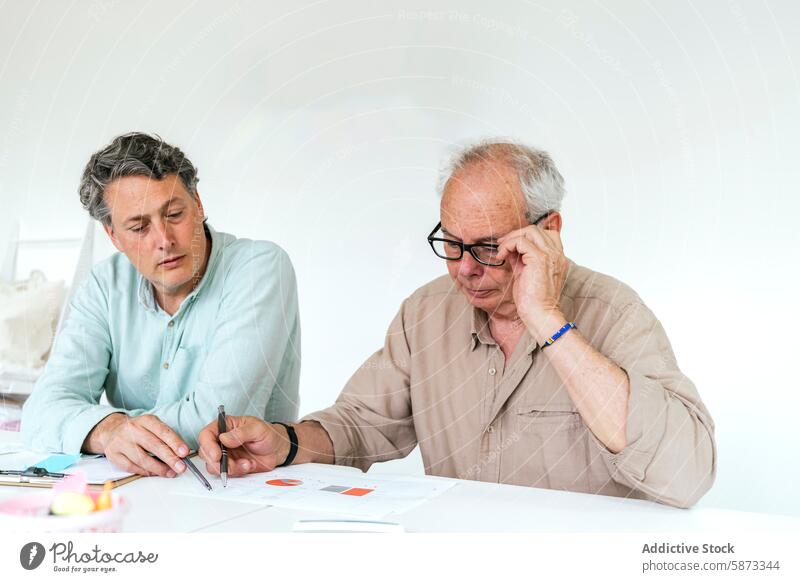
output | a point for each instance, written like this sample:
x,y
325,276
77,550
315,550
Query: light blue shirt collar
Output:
x,y
146,293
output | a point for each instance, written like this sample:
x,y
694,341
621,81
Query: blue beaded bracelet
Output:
x,y
559,333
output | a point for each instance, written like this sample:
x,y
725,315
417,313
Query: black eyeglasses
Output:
x,y
484,253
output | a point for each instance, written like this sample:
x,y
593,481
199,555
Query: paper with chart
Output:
x,y
324,488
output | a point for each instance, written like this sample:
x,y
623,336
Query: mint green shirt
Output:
x,y
235,340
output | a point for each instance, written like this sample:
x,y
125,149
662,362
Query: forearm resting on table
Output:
x,y
314,445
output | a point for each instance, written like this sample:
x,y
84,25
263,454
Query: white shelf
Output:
x,y
16,387
16,380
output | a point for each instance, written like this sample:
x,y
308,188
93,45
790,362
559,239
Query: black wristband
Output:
x,y
292,444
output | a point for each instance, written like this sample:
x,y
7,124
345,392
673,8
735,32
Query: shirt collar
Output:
x,y
479,328
481,334
145,290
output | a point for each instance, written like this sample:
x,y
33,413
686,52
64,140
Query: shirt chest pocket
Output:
x,y
546,417
551,447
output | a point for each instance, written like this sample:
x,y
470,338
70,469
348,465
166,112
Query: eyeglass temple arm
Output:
x,y
437,227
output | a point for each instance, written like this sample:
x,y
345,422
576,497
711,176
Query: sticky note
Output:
x,y
57,463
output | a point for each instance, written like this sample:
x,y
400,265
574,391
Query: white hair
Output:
x,y
540,181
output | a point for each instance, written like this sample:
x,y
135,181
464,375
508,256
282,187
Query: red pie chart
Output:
x,y
285,482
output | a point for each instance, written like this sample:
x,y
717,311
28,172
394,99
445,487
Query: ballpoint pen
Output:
x,y
223,461
194,470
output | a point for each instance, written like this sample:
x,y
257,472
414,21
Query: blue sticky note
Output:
x,y
57,463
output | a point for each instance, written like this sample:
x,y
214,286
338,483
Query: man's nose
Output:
x,y
163,233
468,266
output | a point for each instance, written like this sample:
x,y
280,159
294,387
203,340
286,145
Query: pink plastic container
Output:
x,y
30,513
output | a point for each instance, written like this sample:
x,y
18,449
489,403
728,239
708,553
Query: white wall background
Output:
x,y
319,125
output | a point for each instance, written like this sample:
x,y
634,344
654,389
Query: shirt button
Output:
x,y
490,429
171,322
492,371
166,365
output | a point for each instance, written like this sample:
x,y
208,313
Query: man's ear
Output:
x,y
110,232
552,222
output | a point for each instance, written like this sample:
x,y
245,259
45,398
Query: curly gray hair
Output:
x,y
541,183
132,154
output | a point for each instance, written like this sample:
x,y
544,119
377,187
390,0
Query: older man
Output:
x,y
520,367
182,320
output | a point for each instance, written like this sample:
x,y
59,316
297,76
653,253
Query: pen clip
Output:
x,y
221,424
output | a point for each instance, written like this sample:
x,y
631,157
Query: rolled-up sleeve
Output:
x,y
371,420
671,453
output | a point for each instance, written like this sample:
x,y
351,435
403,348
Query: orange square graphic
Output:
x,y
357,491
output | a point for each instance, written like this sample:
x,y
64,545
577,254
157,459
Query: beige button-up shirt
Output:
x,y
442,382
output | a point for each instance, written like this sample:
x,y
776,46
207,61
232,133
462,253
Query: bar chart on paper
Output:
x,y
324,488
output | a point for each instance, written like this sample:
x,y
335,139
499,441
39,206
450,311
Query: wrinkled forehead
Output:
x,y
482,201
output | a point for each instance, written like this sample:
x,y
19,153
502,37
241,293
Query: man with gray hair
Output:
x,y
521,367
182,320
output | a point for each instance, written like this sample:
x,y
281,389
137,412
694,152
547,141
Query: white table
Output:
x,y
468,506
